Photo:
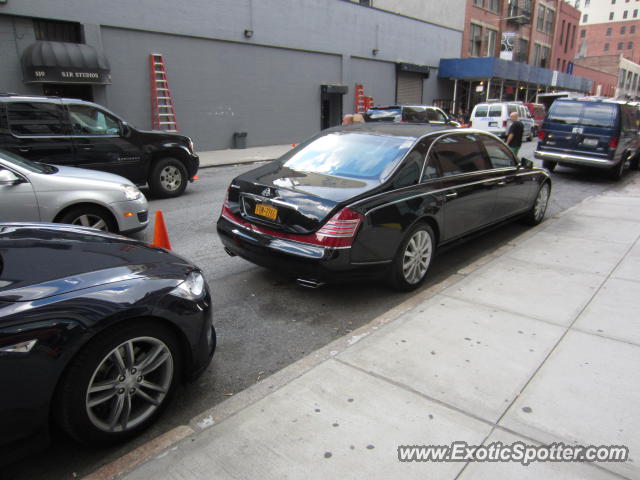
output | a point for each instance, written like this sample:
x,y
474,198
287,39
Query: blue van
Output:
x,y
596,133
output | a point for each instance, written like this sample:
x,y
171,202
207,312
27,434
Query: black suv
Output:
x,y
76,133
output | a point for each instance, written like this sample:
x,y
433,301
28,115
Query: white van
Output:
x,y
494,118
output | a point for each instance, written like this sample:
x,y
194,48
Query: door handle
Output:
x,y
24,149
502,182
451,196
86,146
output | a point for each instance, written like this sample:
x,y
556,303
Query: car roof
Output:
x,y
414,130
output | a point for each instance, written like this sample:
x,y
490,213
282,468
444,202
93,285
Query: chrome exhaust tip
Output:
x,y
229,252
304,282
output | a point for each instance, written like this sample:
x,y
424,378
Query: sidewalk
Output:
x,y
218,158
537,342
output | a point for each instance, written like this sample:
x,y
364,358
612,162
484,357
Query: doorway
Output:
x,y
331,105
80,92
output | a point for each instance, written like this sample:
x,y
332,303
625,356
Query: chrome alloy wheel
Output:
x,y
542,200
170,178
417,257
129,384
90,220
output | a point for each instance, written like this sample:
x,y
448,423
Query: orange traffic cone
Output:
x,y
160,235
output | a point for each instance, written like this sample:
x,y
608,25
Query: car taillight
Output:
x,y
541,135
613,143
340,230
504,123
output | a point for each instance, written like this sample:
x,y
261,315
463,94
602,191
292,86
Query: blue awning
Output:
x,y
497,68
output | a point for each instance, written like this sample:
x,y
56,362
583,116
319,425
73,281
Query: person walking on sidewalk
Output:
x,y
515,133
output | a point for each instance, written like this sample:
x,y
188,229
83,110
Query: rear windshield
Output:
x,y
587,114
495,111
481,111
598,115
383,115
352,155
565,112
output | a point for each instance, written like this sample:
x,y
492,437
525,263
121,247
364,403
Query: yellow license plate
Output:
x,y
266,211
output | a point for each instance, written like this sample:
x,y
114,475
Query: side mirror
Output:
x,y
125,129
526,163
9,178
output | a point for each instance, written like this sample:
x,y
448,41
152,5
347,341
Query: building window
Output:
x,y
475,41
623,30
635,13
586,3
562,32
625,14
632,29
606,47
585,17
523,50
540,24
494,6
623,74
366,3
548,24
630,46
608,32
610,15
536,54
613,2
545,62
583,33
52,31
573,36
491,43
479,3
620,45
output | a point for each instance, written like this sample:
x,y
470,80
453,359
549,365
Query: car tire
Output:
x,y
168,178
539,207
413,258
616,172
634,163
549,165
90,216
119,383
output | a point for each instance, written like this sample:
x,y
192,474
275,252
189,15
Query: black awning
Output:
x,y
62,62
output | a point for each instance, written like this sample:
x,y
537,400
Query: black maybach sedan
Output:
x,y
376,201
96,331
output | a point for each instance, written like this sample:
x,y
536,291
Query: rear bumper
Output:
x,y
309,262
574,159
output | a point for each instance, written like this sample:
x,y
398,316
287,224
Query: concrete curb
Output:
x,y
258,391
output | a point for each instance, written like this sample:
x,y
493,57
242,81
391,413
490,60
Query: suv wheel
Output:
x,y
549,165
168,178
90,216
635,160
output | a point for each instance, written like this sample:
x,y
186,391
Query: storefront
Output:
x,y
484,79
65,69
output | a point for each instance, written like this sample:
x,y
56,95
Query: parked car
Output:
x,y
594,133
96,332
537,112
409,114
39,192
376,201
82,134
495,118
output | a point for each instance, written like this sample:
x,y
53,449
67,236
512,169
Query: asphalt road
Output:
x,y
265,321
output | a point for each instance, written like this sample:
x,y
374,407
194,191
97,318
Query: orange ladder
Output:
x,y
163,115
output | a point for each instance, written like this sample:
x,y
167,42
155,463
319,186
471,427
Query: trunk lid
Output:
x,y
292,201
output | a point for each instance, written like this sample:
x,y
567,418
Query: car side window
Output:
x,y
86,120
458,154
35,118
415,115
409,172
499,155
436,116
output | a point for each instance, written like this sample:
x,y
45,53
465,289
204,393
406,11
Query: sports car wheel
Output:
x,y
536,214
119,383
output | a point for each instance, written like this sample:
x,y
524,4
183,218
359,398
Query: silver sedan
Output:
x,y
38,192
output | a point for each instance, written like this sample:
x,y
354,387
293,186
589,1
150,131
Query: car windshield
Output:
x,y
353,155
383,114
30,165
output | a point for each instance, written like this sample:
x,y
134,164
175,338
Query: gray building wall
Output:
x,y
222,82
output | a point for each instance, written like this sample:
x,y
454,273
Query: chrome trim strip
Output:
x,y
578,159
